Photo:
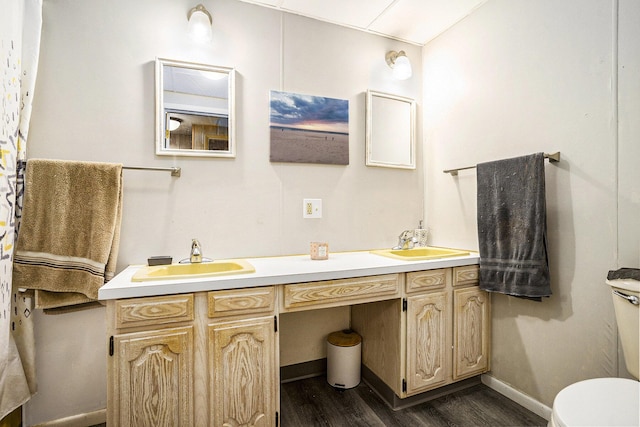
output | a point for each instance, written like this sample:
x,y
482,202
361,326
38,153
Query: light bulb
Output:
x,y
402,68
399,63
173,124
199,28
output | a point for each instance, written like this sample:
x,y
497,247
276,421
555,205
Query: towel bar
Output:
x,y
175,171
553,158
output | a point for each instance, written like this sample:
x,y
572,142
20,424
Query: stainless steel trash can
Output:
x,y
343,358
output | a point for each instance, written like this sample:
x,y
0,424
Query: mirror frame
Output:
x,y
160,110
374,137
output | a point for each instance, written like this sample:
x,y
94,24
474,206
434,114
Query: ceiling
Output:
x,y
413,21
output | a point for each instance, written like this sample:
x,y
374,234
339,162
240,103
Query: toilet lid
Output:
x,y
598,402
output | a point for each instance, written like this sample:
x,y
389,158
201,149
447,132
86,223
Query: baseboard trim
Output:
x,y
80,420
300,371
396,403
517,396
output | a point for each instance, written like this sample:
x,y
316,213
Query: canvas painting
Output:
x,y
309,129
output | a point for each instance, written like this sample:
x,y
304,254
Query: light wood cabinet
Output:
x,y
428,341
465,275
242,354
212,358
440,335
428,311
333,293
150,369
153,311
471,332
154,378
472,324
381,324
209,358
244,383
239,302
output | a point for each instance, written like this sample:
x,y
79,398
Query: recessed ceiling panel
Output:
x,y
419,21
415,21
354,13
272,3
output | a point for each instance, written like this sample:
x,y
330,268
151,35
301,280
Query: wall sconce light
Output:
x,y
400,64
200,21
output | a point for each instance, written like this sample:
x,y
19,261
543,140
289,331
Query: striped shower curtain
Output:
x,y
20,28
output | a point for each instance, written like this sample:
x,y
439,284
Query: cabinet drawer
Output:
x,y
241,301
336,292
466,275
427,280
154,310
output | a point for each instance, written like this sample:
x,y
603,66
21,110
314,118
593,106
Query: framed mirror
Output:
x,y
194,109
390,131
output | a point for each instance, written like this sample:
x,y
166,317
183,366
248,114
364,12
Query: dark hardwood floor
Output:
x,y
313,402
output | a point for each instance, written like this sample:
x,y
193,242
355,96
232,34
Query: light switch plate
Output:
x,y
311,208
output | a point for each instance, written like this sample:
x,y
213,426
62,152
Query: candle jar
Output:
x,y
319,250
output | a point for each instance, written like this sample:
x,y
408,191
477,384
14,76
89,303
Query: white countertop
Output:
x,y
276,271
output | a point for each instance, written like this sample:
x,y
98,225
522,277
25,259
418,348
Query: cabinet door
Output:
x,y
471,332
244,387
154,378
428,355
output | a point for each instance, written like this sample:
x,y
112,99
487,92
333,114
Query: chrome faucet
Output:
x,y
195,256
406,240
196,252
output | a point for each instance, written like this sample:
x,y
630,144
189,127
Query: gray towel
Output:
x,y
512,227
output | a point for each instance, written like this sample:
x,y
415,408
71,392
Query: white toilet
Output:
x,y
608,401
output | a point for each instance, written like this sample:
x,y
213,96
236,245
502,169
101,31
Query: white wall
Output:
x,y
629,133
94,101
628,141
518,77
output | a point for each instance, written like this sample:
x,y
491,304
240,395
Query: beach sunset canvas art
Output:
x,y
309,129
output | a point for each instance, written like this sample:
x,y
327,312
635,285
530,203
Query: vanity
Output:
x,y
205,350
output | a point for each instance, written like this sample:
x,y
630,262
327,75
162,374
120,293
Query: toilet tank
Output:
x,y
628,320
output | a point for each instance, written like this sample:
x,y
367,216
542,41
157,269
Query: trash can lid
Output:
x,y
344,338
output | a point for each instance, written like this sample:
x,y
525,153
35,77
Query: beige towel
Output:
x,y
68,240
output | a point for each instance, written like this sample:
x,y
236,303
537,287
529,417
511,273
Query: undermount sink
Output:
x,y
189,271
418,254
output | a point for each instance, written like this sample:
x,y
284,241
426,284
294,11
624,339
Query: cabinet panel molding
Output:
x,y
471,332
338,292
169,309
428,280
243,372
466,275
428,326
154,375
241,301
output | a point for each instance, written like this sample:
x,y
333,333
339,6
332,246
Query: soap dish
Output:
x,y
159,260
